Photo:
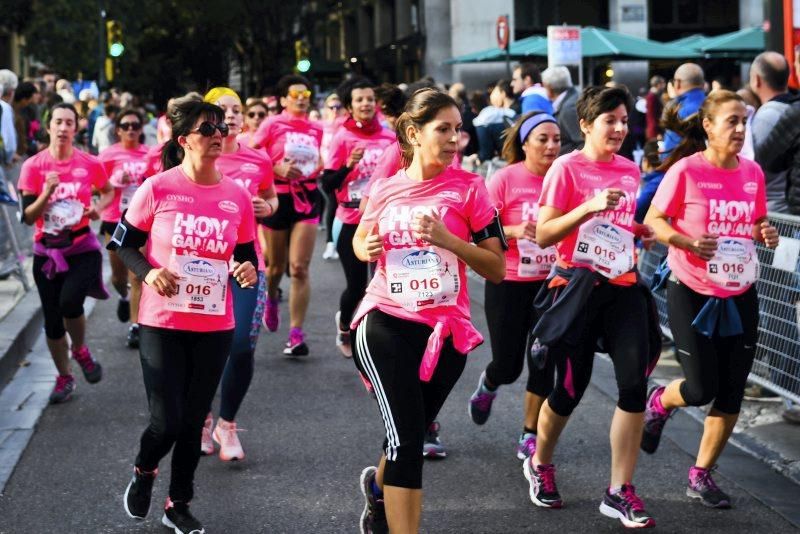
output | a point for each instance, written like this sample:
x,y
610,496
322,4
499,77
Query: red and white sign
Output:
x,y
502,32
564,45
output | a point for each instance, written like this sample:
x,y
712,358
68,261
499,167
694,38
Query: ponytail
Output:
x,y
171,155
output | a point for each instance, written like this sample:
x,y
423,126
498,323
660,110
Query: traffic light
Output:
x,y
301,53
114,37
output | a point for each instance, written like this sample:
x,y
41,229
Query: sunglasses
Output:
x,y
293,93
206,129
126,126
272,108
335,107
254,114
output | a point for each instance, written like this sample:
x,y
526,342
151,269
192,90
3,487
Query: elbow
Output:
x,y
543,240
498,271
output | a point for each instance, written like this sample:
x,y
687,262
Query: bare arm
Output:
x,y
554,225
704,247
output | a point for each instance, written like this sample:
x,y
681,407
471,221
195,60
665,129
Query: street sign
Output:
x,y
564,46
502,32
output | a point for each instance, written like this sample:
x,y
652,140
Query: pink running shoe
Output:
x,y
62,392
296,346
206,443
230,448
92,370
271,319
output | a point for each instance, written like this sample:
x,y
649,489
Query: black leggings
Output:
x,y
388,352
618,315
181,372
510,316
330,213
63,296
355,273
717,368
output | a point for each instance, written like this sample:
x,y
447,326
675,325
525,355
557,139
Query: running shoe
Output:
x,y
138,493
296,346
271,319
63,390
480,403
703,487
330,252
526,446
343,337
133,336
230,448
432,447
542,484
373,518
178,517
124,311
655,417
626,506
92,370
206,443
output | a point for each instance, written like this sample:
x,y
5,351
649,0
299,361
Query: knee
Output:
x,y
502,375
54,327
299,271
632,399
698,393
71,306
562,402
404,465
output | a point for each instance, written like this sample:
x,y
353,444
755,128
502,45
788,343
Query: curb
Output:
x,y
19,331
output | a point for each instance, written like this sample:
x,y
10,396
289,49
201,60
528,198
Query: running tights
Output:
x,y
388,352
181,371
355,272
715,368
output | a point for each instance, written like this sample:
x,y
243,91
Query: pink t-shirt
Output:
x,y
153,159
77,177
357,180
515,192
244,138
701,198
298,139
573,179
329,129
461,200
185,219
252,170
126,170
389,163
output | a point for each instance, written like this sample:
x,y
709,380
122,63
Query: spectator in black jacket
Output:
x,y
558,82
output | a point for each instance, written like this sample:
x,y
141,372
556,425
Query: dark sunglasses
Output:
x,y
272,108
125,126
206,129
260,114
335,107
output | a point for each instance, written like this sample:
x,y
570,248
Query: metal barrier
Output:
x,y
777,362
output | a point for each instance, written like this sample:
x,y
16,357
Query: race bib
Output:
x,y
534,262
735,263
202,286
126,196
604,246
420,278
304,157
355,189
62,215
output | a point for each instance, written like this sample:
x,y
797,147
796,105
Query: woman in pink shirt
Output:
x,y
413,326
255,113
292,142
252,170
333,116
710,209
586,209
126,165
353,154
531,146
193,222
56,189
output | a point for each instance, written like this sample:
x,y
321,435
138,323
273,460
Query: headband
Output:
x,y
213,95
532,122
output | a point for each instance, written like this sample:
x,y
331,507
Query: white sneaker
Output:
x,y
206,444
330,250
230,448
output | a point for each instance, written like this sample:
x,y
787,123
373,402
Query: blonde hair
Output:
x,y
213,95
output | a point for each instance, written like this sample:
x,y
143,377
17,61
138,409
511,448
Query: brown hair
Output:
x,y
597,99
691,128
422,108
512,146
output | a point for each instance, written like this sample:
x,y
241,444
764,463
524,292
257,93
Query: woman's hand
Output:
x,y
769,234
373,244
431,229
287,169
704,247
525,230
607,199
260,207
163,281
245,274
91,212
647,235
355,156
51,182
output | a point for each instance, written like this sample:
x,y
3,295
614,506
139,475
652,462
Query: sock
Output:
x,y
526,430
613,490
376,491
487,387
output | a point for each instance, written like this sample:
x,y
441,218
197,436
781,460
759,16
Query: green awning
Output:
x,y
747,41
690,41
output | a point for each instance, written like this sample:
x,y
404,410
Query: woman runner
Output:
x,y
586,209
710,208
292,142
530,148
252,170
56,190
412,328
193,221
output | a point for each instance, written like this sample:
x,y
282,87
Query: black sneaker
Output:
x,y
133,336
654,421
178,517
124,311
373,518
138,493
626,507
703,488
542,481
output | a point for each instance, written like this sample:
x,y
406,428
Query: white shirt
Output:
x,y
7,131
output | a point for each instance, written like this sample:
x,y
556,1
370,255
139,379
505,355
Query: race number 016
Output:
x,y
195,289
424,284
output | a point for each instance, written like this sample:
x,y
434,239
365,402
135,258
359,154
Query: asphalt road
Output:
x,y
309,430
